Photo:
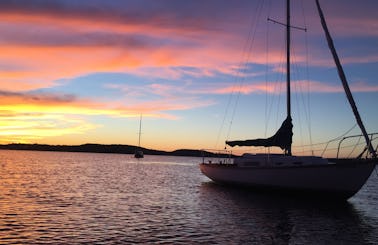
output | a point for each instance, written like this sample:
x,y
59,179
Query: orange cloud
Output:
x,y
25,117
20,125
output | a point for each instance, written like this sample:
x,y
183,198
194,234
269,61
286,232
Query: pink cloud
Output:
x,y
74,46
327,88
278,87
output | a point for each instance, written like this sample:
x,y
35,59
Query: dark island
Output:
x,y
100,148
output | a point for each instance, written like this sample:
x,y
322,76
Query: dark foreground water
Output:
x,y
73,198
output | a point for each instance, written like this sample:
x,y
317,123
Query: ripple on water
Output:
x,y
111,198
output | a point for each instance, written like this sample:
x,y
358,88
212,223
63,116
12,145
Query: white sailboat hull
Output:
x,y
333,177
340,178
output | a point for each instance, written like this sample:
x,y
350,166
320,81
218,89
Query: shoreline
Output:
x,y
102,148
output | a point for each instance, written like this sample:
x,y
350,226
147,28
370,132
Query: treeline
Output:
x,y
99,148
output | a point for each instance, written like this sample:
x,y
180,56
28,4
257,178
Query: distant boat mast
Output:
x,y
140,129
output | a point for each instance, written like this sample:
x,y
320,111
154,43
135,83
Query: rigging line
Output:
x,y
266,69
276,88
298,88
299,96
355,146
233,91
243,69
281,86
298,85
276,85
334,148
344,81
343,147
278,81
283,24
224,119
334,139
307,112
268,108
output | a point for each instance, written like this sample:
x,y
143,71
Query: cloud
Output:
x,y
52,99
297,86
346,18
173,45
43,41
28,117
160,100
153,100
30,127
320,87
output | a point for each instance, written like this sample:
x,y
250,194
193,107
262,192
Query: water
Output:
x,y
74,198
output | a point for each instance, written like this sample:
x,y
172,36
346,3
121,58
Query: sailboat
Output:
x,y
310,175
138,151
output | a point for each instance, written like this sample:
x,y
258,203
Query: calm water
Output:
x,y
51,197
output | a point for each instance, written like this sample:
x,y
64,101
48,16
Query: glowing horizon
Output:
x,y
83,73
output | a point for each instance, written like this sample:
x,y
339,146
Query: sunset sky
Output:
x,y
200,72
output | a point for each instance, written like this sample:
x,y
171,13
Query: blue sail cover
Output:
x,y
282,139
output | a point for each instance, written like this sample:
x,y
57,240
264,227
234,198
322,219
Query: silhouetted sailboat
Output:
x,y
340,178
138,151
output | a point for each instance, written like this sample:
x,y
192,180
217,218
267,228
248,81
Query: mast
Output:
x,y
140,129
288,94
343,79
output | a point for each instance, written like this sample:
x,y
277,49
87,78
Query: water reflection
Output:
x,y
67,198
284,220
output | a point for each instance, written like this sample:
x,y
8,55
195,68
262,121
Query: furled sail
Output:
x,y
283,138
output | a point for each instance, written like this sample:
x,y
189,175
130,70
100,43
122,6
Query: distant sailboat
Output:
x,y
337,178
138,151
